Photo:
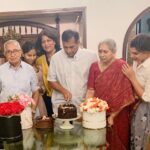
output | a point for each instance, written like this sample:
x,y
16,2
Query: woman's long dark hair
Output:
x,y
38,44
141,42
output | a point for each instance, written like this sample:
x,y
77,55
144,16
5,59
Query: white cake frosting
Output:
x,y
94,113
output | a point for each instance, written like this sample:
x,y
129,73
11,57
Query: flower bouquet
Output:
x,y
10,120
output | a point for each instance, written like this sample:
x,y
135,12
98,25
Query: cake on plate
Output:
x,y
94,113
44,122
67,111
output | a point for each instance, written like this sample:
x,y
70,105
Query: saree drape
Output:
x,y
112,86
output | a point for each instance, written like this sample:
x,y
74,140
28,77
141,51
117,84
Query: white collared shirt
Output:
x,y
143,76
14,81
71,73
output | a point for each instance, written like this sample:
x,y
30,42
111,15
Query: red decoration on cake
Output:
x,y
93,105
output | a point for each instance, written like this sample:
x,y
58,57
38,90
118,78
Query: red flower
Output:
x,y
10,108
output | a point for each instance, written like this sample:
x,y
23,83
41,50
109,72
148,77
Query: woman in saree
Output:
x,y
139,75
106,81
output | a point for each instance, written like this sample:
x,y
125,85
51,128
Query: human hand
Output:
x,y
41,91
67,95
110,120
33,117
128,71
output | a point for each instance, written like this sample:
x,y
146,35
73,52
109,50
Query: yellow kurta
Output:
x,y
43,63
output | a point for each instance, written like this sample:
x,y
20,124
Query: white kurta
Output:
x,y
72,74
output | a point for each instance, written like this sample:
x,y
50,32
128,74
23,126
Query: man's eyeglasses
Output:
x,y
12,52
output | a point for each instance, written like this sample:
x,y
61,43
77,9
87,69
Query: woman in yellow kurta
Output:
x,y
47,45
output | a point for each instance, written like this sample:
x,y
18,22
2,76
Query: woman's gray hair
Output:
x,y
16,43
110,43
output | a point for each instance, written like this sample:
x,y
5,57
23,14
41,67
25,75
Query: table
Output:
x,y
77,138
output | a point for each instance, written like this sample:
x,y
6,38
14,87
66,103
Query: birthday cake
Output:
x,y
94,113
67,111
44,122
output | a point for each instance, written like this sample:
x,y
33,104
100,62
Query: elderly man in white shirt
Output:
x,y
18,77
68,71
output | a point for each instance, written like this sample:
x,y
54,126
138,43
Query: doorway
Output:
x,y
141,24
62,19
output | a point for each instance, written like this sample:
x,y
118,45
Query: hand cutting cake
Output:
x,y
67,111
94,113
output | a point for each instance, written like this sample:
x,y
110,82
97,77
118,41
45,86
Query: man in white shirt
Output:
x,y
18,77
68,71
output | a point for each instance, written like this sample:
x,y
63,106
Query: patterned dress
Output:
x,y
140,125
140,128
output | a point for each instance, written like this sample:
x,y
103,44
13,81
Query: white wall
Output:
x,y
105,18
